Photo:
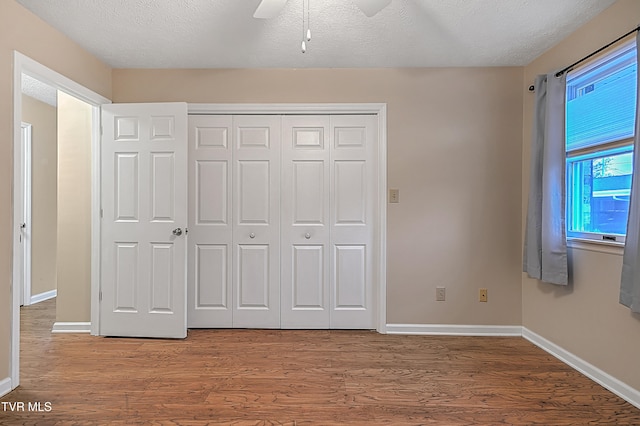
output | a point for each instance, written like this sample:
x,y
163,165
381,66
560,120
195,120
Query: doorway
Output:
x,y
39,190
25,66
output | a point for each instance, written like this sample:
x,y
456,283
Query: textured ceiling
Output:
x,y
39,90
224,34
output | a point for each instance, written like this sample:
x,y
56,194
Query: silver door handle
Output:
x,y
307,235
252,235
177,232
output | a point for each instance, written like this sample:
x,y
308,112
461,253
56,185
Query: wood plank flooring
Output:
x,y
299,377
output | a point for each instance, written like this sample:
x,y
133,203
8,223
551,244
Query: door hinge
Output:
x,y
101,213
100,296
186,231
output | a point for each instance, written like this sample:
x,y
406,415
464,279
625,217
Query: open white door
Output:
x,y
144,214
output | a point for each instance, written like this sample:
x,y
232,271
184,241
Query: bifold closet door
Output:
x,y
234,221
305,222
209,295
329,169
281,221
256,221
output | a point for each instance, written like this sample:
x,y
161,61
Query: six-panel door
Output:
x,y
144,199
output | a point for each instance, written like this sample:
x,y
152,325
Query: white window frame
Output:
x,y
612,147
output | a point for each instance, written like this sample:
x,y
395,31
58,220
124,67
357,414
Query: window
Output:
x,y
600,119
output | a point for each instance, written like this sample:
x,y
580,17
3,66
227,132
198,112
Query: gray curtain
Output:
x,y
630,283
545,242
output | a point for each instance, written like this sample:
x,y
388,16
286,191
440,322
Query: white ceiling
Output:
x,y
224,34
39,90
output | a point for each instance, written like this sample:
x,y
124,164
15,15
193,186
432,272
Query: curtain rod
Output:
x,y
570,67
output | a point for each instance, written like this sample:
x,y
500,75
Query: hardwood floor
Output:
x,y
299,377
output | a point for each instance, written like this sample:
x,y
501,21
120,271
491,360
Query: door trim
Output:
x,y
380,227
24,64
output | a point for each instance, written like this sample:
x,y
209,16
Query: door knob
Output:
x,y
177,232
252,235
307,235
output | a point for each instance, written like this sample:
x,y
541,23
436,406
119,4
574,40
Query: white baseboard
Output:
x,y
455,330
5,386
624,391
71,327
43,296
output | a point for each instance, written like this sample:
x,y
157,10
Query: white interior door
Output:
x,y
305,222
256,221
353,197
22,265
144,209
210,221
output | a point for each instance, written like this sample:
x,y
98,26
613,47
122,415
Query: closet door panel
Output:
x,y
210,227
353,196
305,221
256,221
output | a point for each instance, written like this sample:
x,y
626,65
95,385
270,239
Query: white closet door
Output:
x,y
210,221
353,196
256,227
305,222
144,202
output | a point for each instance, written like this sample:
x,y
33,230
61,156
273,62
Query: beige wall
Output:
x,y
586,318
74,210
22,31
454,148
44,175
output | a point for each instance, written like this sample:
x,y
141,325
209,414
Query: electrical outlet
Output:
x,y
440,294
394,195
482,295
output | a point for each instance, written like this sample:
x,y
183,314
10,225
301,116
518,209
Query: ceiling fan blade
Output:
x,y
371,7
268,9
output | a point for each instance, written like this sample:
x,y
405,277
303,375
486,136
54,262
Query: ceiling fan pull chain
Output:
x,y
308,22
304,44
305,37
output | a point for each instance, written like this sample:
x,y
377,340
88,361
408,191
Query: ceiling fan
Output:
x,y
268,9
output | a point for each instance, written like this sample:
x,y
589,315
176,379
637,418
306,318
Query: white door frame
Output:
x,y
24,64
380,227
22,263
